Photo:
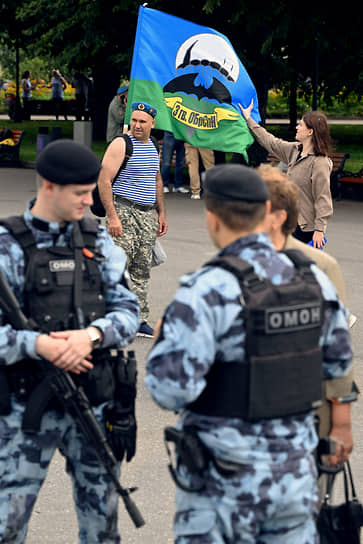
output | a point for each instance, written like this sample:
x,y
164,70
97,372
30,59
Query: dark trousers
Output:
x,y
303,236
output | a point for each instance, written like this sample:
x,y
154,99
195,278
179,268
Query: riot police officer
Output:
x,y
240,353
68,277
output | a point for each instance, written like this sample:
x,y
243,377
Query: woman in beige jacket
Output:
x,y
308,166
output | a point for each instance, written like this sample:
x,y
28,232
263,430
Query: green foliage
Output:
x,y
39,67
342,105
279,45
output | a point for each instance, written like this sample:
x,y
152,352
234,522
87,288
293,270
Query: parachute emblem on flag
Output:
x,y
206,68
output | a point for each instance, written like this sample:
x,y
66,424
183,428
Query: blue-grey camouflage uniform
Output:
x,y
24,459
272,498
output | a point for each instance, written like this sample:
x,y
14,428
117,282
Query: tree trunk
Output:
x,y
17,113
106,83
293,101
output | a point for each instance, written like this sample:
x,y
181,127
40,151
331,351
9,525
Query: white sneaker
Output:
x,y
352,319
195,197
166,189
180,190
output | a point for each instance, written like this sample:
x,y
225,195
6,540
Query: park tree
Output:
x,y
88,35
11,40
278,44
317,51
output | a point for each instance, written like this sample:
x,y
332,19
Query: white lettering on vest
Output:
x,y
62,265
290,318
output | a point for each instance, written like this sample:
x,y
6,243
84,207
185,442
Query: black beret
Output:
x,y
67,162
234,182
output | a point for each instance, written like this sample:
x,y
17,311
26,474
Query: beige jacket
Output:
x,y
311,174
340,387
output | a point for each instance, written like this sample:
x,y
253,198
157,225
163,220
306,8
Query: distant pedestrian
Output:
x,y
26,94
57,85
171,144
116,114
80,85
192,154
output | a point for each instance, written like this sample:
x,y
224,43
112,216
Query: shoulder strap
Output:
x,y
78,243
244,271
298,257
89,228
21,232
155,142
128,152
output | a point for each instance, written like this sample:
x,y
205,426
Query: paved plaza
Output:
x,y
187,247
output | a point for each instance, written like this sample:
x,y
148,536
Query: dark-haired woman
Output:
x,y
309,166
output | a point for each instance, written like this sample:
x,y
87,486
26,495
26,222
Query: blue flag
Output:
x,y
193,77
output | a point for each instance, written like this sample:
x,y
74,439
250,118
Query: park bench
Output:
x,y
10,153
352,181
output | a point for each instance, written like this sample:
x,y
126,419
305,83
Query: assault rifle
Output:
x,y
73,400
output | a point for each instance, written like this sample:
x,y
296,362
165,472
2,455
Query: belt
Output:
x,y
133,204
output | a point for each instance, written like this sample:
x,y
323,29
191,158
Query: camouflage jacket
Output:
x,y
203,323
121,321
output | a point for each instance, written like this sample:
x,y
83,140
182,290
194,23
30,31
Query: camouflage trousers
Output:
x,y
24,461
259,505
139,229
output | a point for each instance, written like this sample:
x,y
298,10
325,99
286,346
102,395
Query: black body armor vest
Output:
x,y
49,300
282,371
49,279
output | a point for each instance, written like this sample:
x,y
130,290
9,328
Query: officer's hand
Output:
x,y
114,226
75,357
49,348
341,432
342,435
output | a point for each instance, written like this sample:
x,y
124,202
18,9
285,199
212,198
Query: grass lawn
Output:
x,y
346,139
31,128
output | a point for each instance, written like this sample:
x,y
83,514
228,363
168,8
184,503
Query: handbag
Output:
x,y
340,524
158,254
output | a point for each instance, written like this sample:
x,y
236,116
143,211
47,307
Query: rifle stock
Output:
x,y
72,398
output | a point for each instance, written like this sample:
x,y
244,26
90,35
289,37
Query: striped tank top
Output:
x,y
137,181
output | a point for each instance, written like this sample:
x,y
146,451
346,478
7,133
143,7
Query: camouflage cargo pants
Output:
x,y
259,505
24,461
139,229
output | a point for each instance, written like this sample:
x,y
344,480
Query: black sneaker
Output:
x,y
145,330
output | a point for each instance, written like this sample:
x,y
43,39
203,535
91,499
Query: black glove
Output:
x,y
121,430
126,375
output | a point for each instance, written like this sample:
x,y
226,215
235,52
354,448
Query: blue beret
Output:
x,y
122,90
66,162
234,182
143,106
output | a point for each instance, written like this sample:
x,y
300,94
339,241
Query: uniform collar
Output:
x,y
41,224
251,241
